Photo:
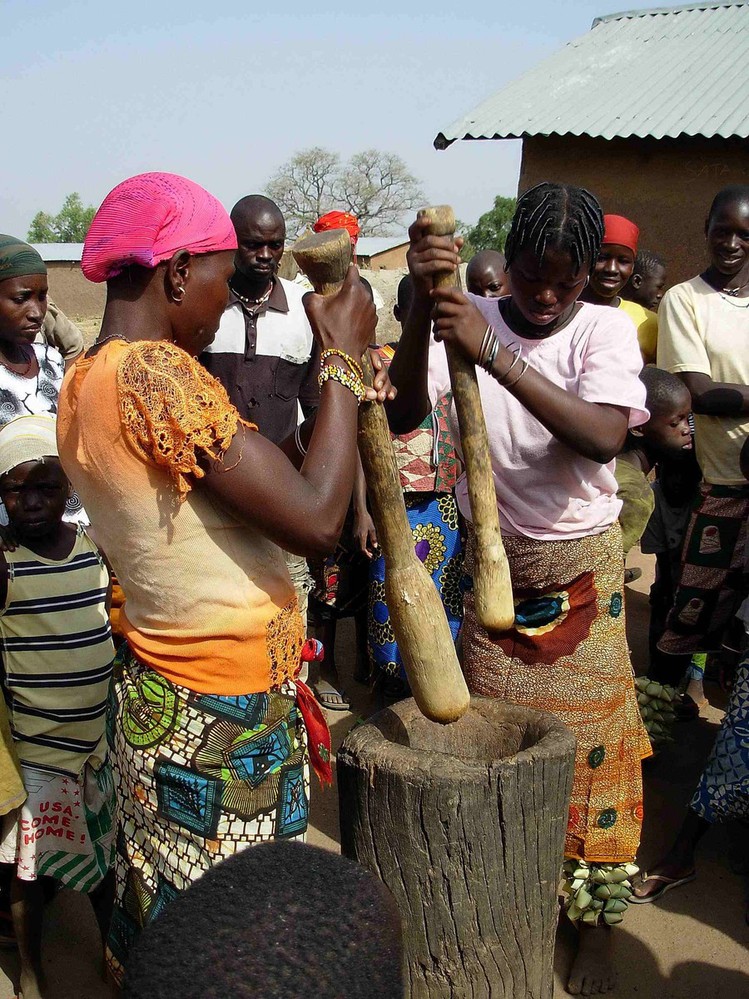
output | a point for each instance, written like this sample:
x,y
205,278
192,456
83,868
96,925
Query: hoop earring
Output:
x,y
178,298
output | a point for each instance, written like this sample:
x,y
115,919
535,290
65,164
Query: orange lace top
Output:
x,y
209,602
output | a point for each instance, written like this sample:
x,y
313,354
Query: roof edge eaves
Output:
x,y
441,141
679,9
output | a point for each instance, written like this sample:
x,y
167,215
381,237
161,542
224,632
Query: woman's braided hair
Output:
x,y
558,215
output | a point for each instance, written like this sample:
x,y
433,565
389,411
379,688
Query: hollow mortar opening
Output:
x,y
485,734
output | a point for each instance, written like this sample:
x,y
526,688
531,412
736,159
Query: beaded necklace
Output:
x,y
252,302
12,366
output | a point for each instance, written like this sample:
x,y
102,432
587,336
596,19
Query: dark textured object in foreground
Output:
x,y
465,824
279,920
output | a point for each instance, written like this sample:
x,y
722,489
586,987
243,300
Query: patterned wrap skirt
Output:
x,y
567,654
723,791
713,580
198,778
433,519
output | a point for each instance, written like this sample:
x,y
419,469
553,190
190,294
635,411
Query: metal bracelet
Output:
x,y
492,356
515,360
485,342
298,441
517,379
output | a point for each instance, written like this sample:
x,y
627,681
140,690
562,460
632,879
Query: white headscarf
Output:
x,y
27,438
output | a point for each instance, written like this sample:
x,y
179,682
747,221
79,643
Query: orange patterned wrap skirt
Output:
x,y
567,654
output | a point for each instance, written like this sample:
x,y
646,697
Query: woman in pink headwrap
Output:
x,y
209,728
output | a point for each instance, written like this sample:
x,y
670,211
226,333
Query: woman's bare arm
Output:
x,y
409,369
303,511
715,398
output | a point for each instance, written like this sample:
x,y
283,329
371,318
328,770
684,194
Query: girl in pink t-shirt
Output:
x,y
559,388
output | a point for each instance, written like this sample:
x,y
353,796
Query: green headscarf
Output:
x,y
17,259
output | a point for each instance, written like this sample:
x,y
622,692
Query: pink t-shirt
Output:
x,y
544,489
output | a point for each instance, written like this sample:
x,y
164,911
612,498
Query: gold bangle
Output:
x,y
352,363
345,378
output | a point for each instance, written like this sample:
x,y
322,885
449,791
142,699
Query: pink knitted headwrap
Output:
x,y
147,218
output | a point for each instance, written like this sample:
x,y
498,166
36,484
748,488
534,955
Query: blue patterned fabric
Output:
x,y
199,776
433,519
723,791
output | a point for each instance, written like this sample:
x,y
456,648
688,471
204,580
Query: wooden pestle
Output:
x,y
492,587
416,612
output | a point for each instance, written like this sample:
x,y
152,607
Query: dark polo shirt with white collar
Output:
x,y
267,360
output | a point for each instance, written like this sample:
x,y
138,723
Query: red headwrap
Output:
x,y
338,220
617,229
147,218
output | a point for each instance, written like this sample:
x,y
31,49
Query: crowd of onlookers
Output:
x,y
189,495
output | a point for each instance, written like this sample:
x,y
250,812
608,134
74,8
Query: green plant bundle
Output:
x,y
597,893
655,701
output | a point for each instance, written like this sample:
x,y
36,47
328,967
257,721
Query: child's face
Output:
x,y
650,290
612,270
544,291
668,432
34,495
23,306
489,282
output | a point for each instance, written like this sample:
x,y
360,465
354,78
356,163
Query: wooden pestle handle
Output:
x,y
416,612
492,587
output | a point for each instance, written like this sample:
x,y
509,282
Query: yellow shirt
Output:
x,y
209,603
707,332
646,324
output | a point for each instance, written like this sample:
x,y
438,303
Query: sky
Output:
x,y
95,91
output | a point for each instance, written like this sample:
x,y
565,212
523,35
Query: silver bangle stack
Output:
x,y
519,375
488,350
488,354
515,360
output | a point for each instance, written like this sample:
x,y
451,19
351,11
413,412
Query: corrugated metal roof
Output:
x,y
667,71
51,252
369,246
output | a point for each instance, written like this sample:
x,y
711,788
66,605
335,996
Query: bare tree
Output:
x,y
303,187
375,186
378,188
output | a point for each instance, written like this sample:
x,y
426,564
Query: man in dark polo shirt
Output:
x,y
264,353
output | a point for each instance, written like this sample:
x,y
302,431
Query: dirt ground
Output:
x,y
693,943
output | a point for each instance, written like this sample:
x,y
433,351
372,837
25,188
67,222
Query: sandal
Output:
x,y
664,884
330,698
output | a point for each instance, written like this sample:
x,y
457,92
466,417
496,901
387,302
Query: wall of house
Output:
x,y
68,288
664,185
389,260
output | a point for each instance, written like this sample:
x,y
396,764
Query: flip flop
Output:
x,y
326,695
666,884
